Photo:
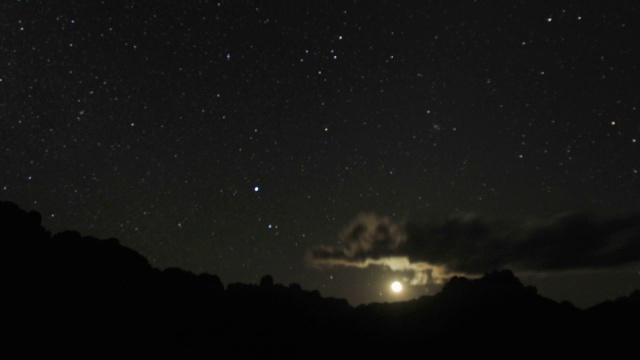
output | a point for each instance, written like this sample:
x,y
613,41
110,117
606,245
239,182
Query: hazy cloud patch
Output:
x,y
472,245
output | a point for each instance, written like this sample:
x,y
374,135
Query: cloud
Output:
x,y
473,245
367,236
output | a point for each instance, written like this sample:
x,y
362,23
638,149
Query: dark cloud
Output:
x,y
475,245
367,236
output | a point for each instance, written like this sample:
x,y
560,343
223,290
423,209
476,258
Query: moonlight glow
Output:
x,y
396,287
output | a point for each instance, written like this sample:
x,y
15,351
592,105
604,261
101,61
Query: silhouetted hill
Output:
x,y
496,305
619,315
71,293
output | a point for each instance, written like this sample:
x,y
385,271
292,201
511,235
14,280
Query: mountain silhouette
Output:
x,y
71,293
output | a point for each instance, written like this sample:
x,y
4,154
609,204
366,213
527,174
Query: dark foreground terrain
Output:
x,y
76,295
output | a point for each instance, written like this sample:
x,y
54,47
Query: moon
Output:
x,y
396,286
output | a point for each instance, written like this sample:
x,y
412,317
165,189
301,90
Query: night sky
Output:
x,y
339,145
